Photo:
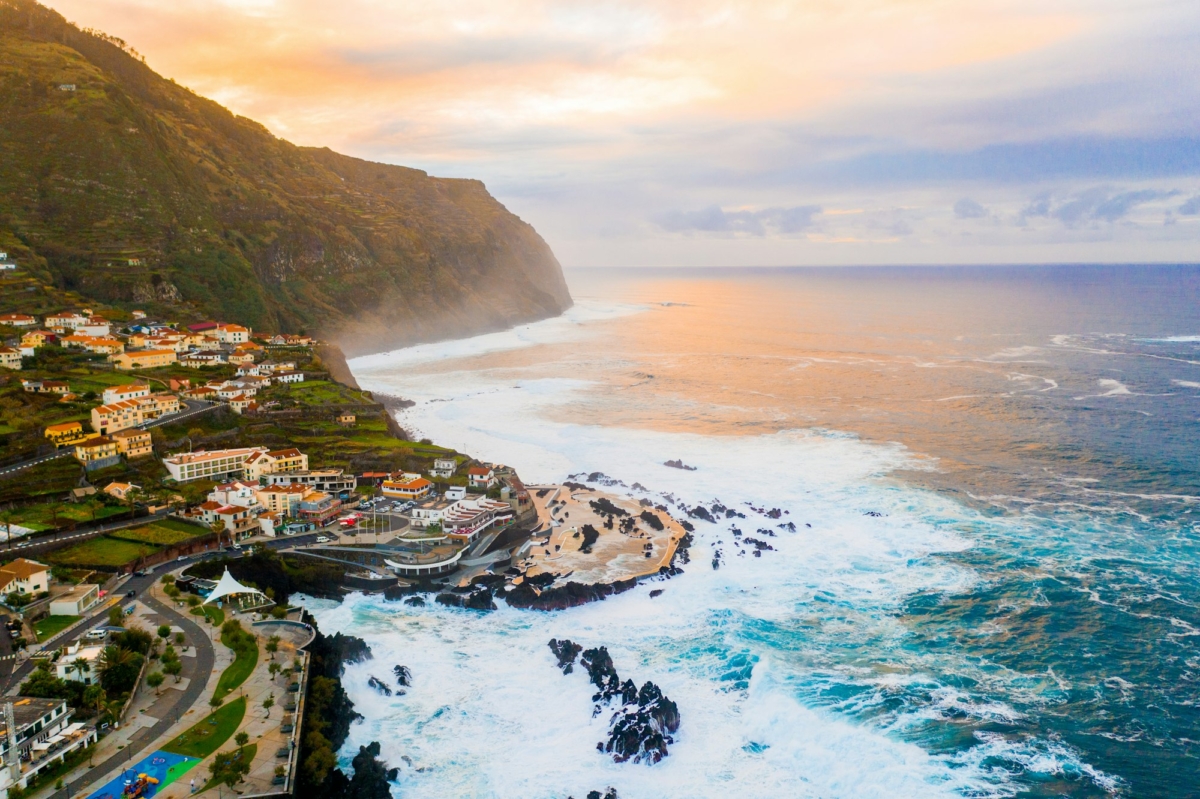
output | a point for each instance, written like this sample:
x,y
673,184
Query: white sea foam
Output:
x,y
738,648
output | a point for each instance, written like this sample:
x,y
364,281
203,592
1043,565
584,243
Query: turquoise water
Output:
x,y
997,595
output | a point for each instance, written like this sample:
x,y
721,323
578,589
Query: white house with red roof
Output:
x,y
481,477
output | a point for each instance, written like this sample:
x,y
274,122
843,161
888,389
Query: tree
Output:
x,y
218,527
94,697
279,612
241,739
154,679
180,640
81,667
193,602
116,616
167,579
132,497
164,631
274,668
230,768
7,516
269,703
173,667
119,668
215,702
273,645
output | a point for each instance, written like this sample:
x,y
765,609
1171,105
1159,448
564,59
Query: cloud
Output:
x,y
713,219
966,208
1099,205
1191,207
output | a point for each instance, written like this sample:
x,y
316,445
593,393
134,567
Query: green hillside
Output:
x,y
133,191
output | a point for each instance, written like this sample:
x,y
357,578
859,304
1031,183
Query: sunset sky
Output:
x,y
698,133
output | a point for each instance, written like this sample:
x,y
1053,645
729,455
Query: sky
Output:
x,y
704,133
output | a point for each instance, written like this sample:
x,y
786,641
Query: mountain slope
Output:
x,y
135,191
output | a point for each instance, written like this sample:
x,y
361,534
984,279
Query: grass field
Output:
x,y
52,625
41,517
206,736
216,614
101,551
236,672
164,533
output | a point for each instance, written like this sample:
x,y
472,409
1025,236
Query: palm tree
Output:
x,y
7,515
113,658
95,697
81,667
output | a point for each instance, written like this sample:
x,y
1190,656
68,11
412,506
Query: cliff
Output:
x,y
127,188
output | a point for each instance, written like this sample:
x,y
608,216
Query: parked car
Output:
x,y
323,539
96,635
131,594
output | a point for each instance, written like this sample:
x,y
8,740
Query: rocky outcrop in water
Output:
x,y
566,651
371,775
561,597
643,725
403,676
611,793
678,464
379,686
480,598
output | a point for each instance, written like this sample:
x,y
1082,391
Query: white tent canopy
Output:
x,y
227,586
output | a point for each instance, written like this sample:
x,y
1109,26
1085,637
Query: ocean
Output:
x,y
992,584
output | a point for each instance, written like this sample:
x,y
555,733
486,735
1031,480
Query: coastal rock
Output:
x,y
701,512
379,686
479,599
349,649
652,520
789,526
566,651
415,601
590,536
641,729
371,775
561,597
403,676
656,593
678,464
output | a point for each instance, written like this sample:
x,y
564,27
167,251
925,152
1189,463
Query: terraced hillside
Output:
x,y
129,189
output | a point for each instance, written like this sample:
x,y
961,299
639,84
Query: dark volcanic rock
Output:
x,y
415,601
379,686
656,592
479,599
701,512
403,676
642,727
371,775
566,651
568,595
590,536
651,519
678,464
349,649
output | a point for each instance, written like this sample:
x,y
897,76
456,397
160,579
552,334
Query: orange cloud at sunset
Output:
x,y
597,121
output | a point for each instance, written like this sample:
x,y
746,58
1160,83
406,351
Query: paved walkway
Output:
x,y
151,717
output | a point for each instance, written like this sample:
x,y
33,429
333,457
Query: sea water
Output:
x,y
991,589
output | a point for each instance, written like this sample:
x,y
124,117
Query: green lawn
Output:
x,y
248,752
102,552
237,671
41,517
216,614
161,533
52,625
206,736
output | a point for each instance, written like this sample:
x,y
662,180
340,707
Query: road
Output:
x,y
201,669
17,467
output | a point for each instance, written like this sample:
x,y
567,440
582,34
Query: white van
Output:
x,y
323,539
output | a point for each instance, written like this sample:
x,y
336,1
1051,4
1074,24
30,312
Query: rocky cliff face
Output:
x,y
128,188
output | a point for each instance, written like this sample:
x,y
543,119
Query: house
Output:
x,y
198,360
45,387
240,357
202,393
318,507
133,443
282,499
138,314
132,412
95,326
407,486
65,321
239,522
270,523
34,339
73,603
24,577
103,345
466,519
481,477
77,651
17,320
333,481
45,736
443,467
144,359
288,377
241,403
230,390
200,327
126,392
347,419
277,462
10,358
235,493
120,490
65,434
97,453
231,334
178,385
374,478
213,465
82,493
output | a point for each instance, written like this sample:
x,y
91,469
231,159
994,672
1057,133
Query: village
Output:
x,y
137,452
